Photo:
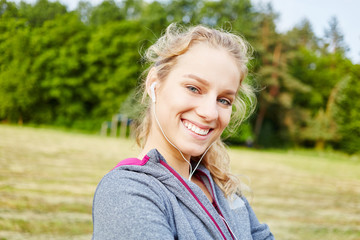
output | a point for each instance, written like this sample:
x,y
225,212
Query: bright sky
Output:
x,y
292,12
319,13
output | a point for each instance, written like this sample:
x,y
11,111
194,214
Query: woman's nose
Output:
x,y
207,109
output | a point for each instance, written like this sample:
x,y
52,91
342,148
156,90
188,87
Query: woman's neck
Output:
x,y
170,153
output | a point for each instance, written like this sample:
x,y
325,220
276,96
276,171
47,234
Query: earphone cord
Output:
x,y
191,170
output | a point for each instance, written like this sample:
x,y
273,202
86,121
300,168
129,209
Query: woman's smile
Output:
x,y
201,131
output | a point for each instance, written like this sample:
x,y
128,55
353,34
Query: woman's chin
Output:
x,y
194,152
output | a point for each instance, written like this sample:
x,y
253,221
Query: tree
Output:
x,y
113,64
347,111
132,9
41,11
59,47
84,10
275,118
334,38
105,12
8,10
184,11
302,36
17,88
237,16
322,127
154,18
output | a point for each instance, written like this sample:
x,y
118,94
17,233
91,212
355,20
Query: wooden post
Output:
x,y
123,126
131,128
114,123
104,127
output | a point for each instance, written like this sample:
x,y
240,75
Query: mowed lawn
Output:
x,y
48,178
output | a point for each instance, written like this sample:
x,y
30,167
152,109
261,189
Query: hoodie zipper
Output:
x,y
216,206
193,194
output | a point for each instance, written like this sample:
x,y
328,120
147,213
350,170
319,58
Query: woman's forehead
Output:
x,y
207,64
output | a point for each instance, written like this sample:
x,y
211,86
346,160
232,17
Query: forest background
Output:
x,y
76,69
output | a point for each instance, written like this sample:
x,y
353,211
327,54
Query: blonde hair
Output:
x,y
163,56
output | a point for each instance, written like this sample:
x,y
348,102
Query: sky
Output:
x,y
319,13
291,12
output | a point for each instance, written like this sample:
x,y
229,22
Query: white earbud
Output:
x,y
152,90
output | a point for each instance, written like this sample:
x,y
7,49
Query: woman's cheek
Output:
x,y
226,119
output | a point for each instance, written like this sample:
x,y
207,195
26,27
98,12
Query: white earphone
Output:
x,y
152,90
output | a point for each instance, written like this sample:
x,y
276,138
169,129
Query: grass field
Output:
x,y
48,178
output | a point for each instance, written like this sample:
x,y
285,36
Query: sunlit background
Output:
x,y
68,75
292,12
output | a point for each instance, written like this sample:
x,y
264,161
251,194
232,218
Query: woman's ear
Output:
x,y
150,79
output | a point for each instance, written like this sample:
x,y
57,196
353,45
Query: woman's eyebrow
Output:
x,y
197,78
230,92
206,83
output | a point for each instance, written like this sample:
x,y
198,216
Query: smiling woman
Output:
x,y
182,187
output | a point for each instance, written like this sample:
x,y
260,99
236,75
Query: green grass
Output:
x,y
302,195
48,178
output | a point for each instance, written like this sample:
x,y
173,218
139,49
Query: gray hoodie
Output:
x,y
147,199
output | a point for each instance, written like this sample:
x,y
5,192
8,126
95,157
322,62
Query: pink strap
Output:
x,y
132,161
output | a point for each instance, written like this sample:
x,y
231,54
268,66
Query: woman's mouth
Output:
x,y
196,129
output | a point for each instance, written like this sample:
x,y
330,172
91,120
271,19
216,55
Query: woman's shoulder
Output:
x,y
124,189
124,198
124,181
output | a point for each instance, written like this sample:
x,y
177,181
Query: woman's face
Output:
x,y
194,102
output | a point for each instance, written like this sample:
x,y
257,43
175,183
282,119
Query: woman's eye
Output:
x,y
224,101
193,89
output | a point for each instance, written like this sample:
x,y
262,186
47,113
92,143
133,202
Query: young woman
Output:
x,y
180,186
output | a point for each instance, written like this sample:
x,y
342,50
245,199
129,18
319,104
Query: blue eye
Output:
x,y
224,101
193,89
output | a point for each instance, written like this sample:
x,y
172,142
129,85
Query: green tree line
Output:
x,y
78,68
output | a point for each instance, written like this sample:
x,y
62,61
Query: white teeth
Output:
x,y
195,129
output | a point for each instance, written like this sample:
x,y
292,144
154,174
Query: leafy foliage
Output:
x,y
77,69
347,111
